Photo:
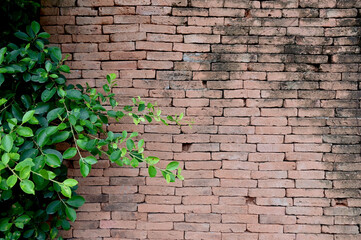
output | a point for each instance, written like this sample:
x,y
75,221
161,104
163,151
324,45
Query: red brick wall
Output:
x,y
273,87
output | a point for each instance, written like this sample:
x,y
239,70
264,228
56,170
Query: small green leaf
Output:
x,y
70,182
2,100
24,131
27,186
134,134
69,153
152,160
5,158
48,66
84,168
5,225
35,27
140,143
52,160
66,191
28,115
2,55
91,160
70,213
55,54
7,143
22,36
54,114
60,137
141,107
73,94
115,155
11,181
64,68
44,35
152,171
53,207
76,201
130,144
48,94
23,219
172,166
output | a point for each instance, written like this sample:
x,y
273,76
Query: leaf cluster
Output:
x,y
38,112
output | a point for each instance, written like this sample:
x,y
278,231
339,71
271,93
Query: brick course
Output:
x,y
274,90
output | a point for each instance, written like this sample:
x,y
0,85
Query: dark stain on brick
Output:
x,y
186,147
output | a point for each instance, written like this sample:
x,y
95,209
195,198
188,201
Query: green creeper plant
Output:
x,y
38,111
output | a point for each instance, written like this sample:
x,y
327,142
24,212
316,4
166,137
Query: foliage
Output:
x,y
38,111
16,15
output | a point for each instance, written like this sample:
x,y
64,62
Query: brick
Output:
x,y
172,3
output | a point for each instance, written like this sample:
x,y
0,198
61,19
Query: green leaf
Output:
x,y
23,219
53,207
74,94
40,44
44,35
35,27
42,138
48,66
5,158
70,182
84,168
152,171
172,166
69,153
152,160
22,36
28,115
167,178
66,191
27,186
28,162
115,155
54,114
2,55
55,54
7,143
64,68
134,134
11,181
91,160
60,137
24,131
2,100
5,225
52,160
76,201
70,213
130,144
140,143
141,107
25,173
48,94
54,233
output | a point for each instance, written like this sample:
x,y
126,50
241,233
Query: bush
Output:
x,y
16,15
38,111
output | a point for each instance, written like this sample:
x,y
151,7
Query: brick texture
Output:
x,y
273,88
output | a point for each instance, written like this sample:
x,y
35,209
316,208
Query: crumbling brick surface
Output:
x,y
273,88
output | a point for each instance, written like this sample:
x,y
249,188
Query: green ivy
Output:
x,y
38,111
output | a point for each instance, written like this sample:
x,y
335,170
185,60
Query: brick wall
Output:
x,y
273,87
